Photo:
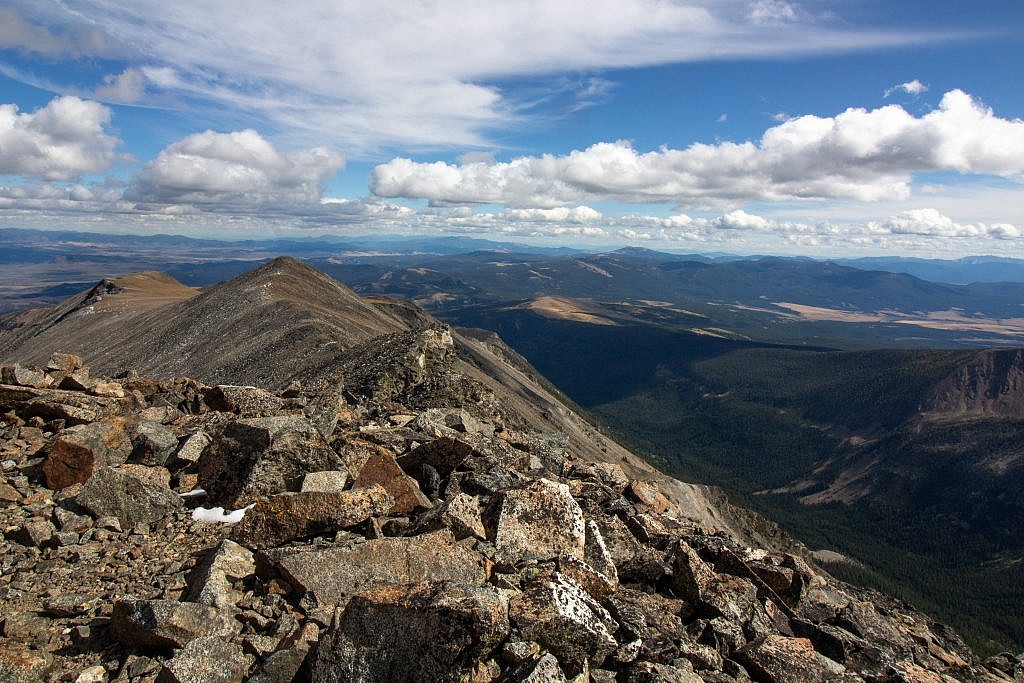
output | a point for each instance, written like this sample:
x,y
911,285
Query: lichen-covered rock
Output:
x,y
564,619
424,632
165,624
289,516
24,377
191,449
541,518
333,575
261,457
208,659
121,493
333,481
243,401
78,452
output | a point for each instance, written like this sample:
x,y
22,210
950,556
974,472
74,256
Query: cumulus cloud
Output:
x,y
368,74
914,87
932,223
859,154
64,139
579,214
233,171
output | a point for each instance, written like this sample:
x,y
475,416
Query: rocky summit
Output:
x,y
404,521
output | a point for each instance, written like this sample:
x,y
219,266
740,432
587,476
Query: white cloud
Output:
x,y
369,74
61,141
914,87
579,214
772,12
722,118
233,171
860,154
125,88
932,223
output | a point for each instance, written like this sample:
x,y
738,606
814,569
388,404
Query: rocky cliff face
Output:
x,y
989,384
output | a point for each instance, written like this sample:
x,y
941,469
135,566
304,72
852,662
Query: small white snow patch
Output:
x,y
193,493
218,516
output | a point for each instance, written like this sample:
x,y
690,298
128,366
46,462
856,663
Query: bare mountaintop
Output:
x,y
286,321
263,327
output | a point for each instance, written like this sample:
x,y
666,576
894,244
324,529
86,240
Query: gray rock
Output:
x,y
545,670
78,452
333,575
261,457
24,377
153,444
425,632
207,659
191,449
166,624
36,532
213,580
120,493
778,659
540,518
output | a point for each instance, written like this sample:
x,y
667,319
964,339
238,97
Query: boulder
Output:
x,y
117,492
78,452
243,401
153,444
290,516
191,449
207,659
439,422
64,362
424,632
382,470
540,518
261,457
331,576
25,377
214,578
166,624
564,619
778,659
18,664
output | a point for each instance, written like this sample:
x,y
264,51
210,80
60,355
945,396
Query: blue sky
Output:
x,y
766,125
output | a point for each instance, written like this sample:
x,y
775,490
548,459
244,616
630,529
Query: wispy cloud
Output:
x,y
376,75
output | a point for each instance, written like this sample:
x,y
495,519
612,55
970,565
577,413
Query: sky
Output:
x,y
810,127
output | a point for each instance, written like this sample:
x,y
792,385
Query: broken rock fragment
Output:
x,y
261,457
563,618
423,632
290,516
119,492
166,624
542,518
383,470
213,584
208,659
333,575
